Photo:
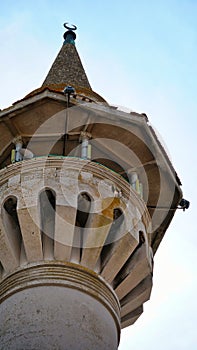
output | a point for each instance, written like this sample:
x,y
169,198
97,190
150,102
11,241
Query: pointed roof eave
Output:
x,y
81,92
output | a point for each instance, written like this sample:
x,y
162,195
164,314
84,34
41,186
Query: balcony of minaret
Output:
x,y
72,211
42,125
87,192
87,186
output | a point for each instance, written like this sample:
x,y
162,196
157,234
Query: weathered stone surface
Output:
x,y
64,232
50,304
31,233
75,230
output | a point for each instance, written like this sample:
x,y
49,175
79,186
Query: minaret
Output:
x,y
87,194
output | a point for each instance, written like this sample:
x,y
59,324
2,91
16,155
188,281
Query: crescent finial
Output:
x,y
71,27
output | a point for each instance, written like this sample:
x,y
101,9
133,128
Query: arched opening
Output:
x,y
83,209
47,203
11,224
10,205
84,202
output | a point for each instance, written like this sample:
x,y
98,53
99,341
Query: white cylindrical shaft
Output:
x,y
84,148
18,155
58,306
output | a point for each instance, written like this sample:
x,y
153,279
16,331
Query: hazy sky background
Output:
x,y
141,55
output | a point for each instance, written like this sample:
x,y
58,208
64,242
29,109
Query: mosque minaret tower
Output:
x,y
87,193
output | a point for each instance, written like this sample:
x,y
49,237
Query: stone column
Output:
x,y
58,306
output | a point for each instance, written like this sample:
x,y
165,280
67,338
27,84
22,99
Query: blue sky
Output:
x,y
141,55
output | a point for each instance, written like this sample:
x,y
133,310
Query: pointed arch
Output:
x,y
11,238
47,204
84,204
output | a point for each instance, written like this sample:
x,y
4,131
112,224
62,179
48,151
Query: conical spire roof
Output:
x,y
66,70
67,67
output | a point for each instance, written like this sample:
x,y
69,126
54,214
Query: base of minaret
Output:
x,y
58,306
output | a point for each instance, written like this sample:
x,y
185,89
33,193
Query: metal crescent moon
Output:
x,y
73,27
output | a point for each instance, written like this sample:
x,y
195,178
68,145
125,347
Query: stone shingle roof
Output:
x,y
67,68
